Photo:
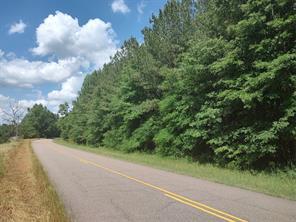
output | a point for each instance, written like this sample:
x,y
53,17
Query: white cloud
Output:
x,y
1,53
3,100
18,27
69,90
70,49
24,73
5,103
140,7
68,93
30,103
61,35
22,104
10,55
120,6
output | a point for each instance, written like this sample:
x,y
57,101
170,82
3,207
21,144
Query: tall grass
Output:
x,y
4,148
25,191
2,169
280,184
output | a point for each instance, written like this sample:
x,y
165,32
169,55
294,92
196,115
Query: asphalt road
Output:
x,y
98,188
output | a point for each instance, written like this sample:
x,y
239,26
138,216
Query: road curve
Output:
x,y
99,188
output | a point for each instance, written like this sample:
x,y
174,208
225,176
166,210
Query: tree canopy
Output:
x,y
6,131
212,81
39,122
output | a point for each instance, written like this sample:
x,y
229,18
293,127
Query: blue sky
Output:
x,y
47,47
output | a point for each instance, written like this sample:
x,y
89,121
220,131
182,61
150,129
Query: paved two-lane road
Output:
x,y
98,188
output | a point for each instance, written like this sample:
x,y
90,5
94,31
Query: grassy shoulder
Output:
x,y
26,193
278,184
4,148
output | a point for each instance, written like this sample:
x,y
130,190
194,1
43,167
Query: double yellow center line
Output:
x,y
182,199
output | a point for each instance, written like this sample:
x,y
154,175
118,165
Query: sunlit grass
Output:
x,y
279,184
4,148
25,191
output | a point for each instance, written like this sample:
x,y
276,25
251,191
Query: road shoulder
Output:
x,y
26,193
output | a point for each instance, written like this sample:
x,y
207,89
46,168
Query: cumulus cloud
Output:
x,y
68,93
68,50
140,7
71,49
3,106
18,27
3,100
62,36
30,103
24,73
1,53
69,90
120,6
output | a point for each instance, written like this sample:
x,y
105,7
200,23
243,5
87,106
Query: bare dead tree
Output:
x,y
13,115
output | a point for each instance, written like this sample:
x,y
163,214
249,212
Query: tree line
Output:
x,y
38,122
213,81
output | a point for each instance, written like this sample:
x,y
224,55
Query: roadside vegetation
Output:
x,y
277,183
38,122
4,149
5,133
213,82
26,194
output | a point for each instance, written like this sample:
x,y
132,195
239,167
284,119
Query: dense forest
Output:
x,y
213,81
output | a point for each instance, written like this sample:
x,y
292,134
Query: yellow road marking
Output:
x,y
165,191
177,197
83,161
199,208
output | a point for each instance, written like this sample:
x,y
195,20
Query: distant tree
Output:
x,y
39,122
64,109
13,115
6,131
64,124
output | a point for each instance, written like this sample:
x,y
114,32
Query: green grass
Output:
x,y
280,184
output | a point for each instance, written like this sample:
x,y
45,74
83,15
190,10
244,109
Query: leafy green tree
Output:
x,y
39,122
237,90
6,131
212,81
170,31
64,109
